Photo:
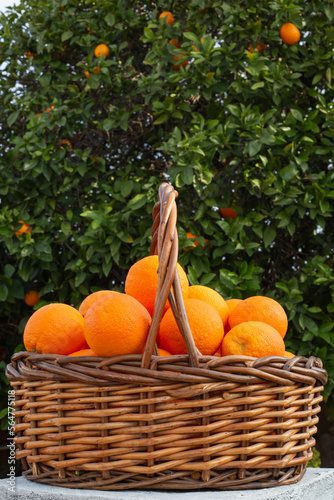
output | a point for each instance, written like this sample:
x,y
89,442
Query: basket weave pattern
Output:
x,y
178,422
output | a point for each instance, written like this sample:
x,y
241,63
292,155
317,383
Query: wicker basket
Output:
x,y
182,422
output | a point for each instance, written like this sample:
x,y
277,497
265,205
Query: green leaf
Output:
x,y
192,275
108,124
235,110
3,292
66,228
187,175
316,78
126,188
80,278
106,267
329,76
254,147
12,118
148,33
288,173
9,270
110,19
269,235
66,35
297,114
258,85
162,119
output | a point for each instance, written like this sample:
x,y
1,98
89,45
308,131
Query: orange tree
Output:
x,y
242,121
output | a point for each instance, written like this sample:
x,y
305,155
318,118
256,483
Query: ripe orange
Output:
x,y
288,354
253,338
29,54
24,229
194,48
31,298
168,16
289,34
116,325
101,50
260,47
49,109
196,243
205,323
142,282
67,142
183,64
83,352
176,43
232,303
211,297
90,299
259,308
54,329
163,352
228,213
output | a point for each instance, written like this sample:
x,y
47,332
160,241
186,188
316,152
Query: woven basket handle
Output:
x,y
165,244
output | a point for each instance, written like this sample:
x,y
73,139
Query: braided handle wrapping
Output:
x,y
165,244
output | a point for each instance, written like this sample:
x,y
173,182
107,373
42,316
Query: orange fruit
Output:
x,y
29,54
232,303
168,16
87,74
116,325
205,323
90,299
54,329
289,34
253,338
101,50
259,308
196,243
176,43
288,354
49,109
183,64
211,297
24,229
194,48
218,353
67,142
228,213
31,298
142,281
259,47
163,352
83,352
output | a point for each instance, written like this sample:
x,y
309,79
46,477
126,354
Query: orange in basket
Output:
x,y
83,352
54,329
211,297
253,338
142,281
116,325
232,303
90,299
260,308
205,323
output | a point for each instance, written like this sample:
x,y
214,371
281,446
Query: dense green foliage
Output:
x,y
235,127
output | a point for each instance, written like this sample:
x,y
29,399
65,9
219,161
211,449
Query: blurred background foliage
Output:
x,y
246,123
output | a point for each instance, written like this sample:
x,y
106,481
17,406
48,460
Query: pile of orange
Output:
x,y
110,323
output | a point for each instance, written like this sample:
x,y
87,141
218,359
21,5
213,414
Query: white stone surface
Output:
x,y
317,484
